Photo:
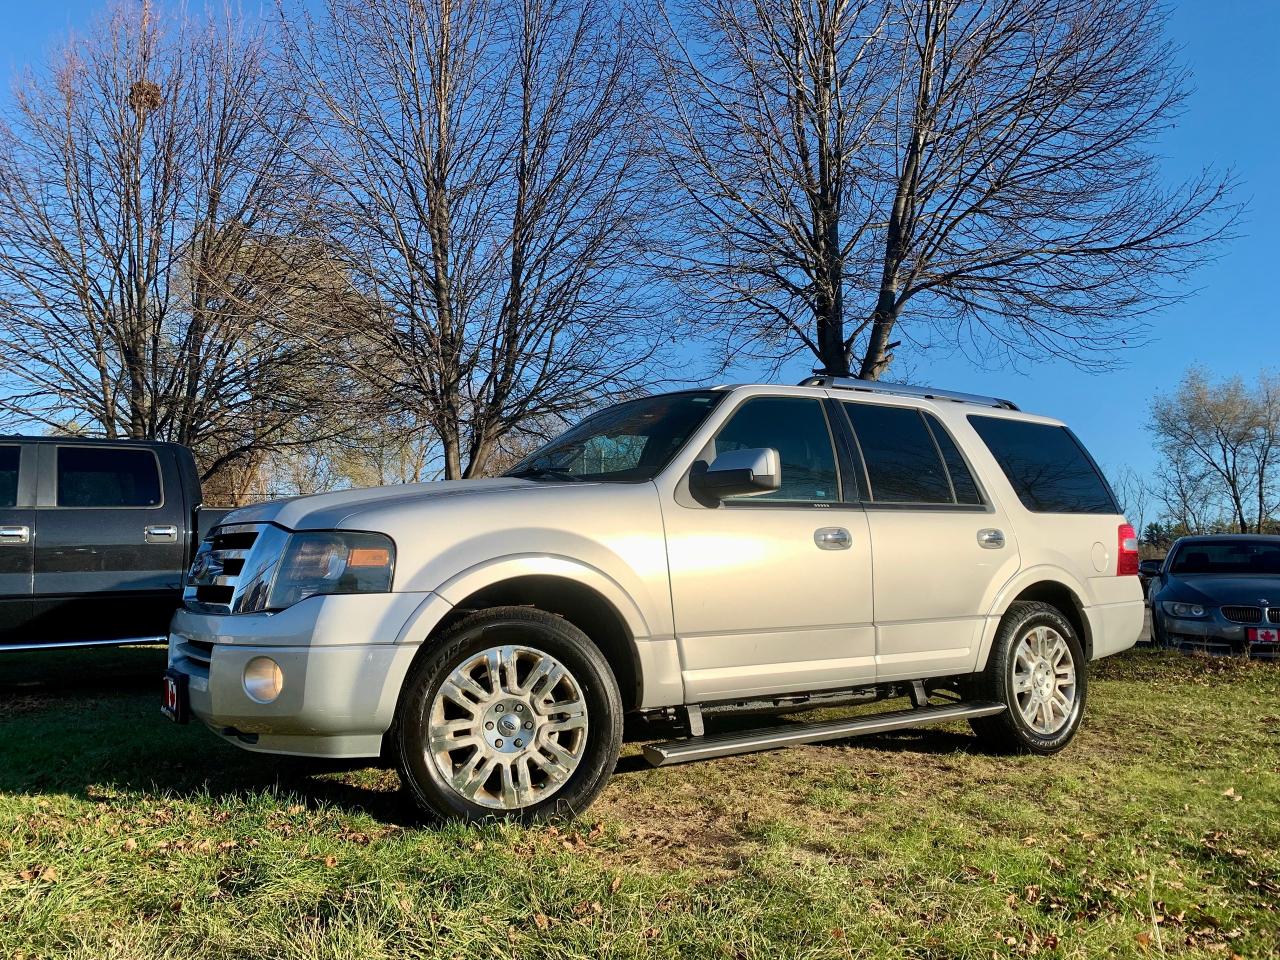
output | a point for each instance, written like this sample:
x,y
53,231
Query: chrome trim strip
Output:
x,y
57,645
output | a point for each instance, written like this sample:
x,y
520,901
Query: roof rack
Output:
x,y
905,390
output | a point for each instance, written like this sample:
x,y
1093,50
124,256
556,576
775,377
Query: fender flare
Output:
x,y
437,604
1023,579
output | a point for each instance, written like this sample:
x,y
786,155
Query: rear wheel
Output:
x,y
514,713
1037,669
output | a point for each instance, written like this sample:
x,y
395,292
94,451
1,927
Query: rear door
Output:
x,y
941,545
17,534
111,545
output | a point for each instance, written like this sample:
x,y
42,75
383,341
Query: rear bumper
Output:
x,y
337,699
1116,626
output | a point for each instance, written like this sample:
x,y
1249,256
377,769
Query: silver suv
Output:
x,y
739,549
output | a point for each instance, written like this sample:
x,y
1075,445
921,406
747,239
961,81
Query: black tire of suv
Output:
x,y
1008,732
497,626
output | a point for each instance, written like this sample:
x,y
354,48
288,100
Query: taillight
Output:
x,y
1127,553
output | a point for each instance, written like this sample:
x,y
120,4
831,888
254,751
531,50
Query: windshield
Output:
x,y
1238,557
624,443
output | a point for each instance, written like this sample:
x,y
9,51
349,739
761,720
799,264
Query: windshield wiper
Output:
x,y
553,473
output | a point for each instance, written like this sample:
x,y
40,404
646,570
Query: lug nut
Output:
x,y
519,708
498,742
528,724
519,743
489,725
498,708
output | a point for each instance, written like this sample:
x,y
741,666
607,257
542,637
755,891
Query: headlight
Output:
x,y
263,679
338,562
1184,610
309,564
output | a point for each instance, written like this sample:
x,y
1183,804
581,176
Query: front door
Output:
x,y
772,594
111,550
942,545
17,535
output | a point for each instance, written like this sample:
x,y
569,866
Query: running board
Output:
x,y
773,738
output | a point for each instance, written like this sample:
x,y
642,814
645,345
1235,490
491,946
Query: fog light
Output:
x,y
263,679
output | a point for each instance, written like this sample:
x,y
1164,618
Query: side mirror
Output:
x,y
1149,567
737,473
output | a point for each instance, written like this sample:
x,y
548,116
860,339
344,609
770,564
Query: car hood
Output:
x,y
329,511
1216,589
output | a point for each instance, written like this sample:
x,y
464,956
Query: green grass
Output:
x,y
1156,833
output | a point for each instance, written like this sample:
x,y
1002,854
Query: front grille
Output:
x,y
1273,614
196,650
1243,614
211,585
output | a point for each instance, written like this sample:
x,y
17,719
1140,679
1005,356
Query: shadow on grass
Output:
x,y
85,722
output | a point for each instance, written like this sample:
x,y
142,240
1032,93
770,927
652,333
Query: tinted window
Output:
x,y
9,475
962,482
797,429
902,460
106,477
1047,467
1235,557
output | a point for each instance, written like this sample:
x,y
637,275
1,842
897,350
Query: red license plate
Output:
x,y
174,704
1263,635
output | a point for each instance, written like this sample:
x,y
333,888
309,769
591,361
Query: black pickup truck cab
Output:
x,y
95,539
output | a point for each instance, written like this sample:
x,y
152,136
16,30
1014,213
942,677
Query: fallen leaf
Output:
x,y
130,845
331,861
541,921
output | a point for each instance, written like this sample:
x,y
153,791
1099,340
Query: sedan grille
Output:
x,y
1273,614
1243,614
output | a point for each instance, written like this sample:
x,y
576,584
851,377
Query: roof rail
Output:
x,y
905,390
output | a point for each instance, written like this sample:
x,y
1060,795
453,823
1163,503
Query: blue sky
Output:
x,y
1230,324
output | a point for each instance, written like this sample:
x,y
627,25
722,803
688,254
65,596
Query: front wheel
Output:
x,y
1037,669
513,713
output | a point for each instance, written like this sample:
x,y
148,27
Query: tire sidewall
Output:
x,y
547,634
1029,738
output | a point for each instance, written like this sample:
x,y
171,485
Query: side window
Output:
x,y
9,457
107,477
797,428
962,482
1046,466
902,460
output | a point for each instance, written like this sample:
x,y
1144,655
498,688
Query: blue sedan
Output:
x,y
1220,594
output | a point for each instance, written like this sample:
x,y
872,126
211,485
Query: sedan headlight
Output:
x,y
314,563
1184,610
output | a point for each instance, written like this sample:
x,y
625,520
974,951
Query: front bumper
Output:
x,y
1213,634
340,688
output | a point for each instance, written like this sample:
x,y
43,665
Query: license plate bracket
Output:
x,y
176,702
1264,635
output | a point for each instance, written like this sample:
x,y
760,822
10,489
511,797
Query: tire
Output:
x,y
1035,719
548,734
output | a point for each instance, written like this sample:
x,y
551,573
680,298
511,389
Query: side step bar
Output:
x,y
772,738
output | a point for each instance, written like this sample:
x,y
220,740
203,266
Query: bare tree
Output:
x,y
860,172
148,201
488,199
1220,441
1133,490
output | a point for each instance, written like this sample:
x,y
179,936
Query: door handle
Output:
x,y
162,533
15,534
832,538
991,538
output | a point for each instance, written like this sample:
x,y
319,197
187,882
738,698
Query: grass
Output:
x,y
1156,833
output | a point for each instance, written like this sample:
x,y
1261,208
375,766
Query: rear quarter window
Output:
x,y
9,457
1046,466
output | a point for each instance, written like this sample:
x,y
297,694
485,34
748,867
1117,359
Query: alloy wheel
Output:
x,y
508,727
1044,680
